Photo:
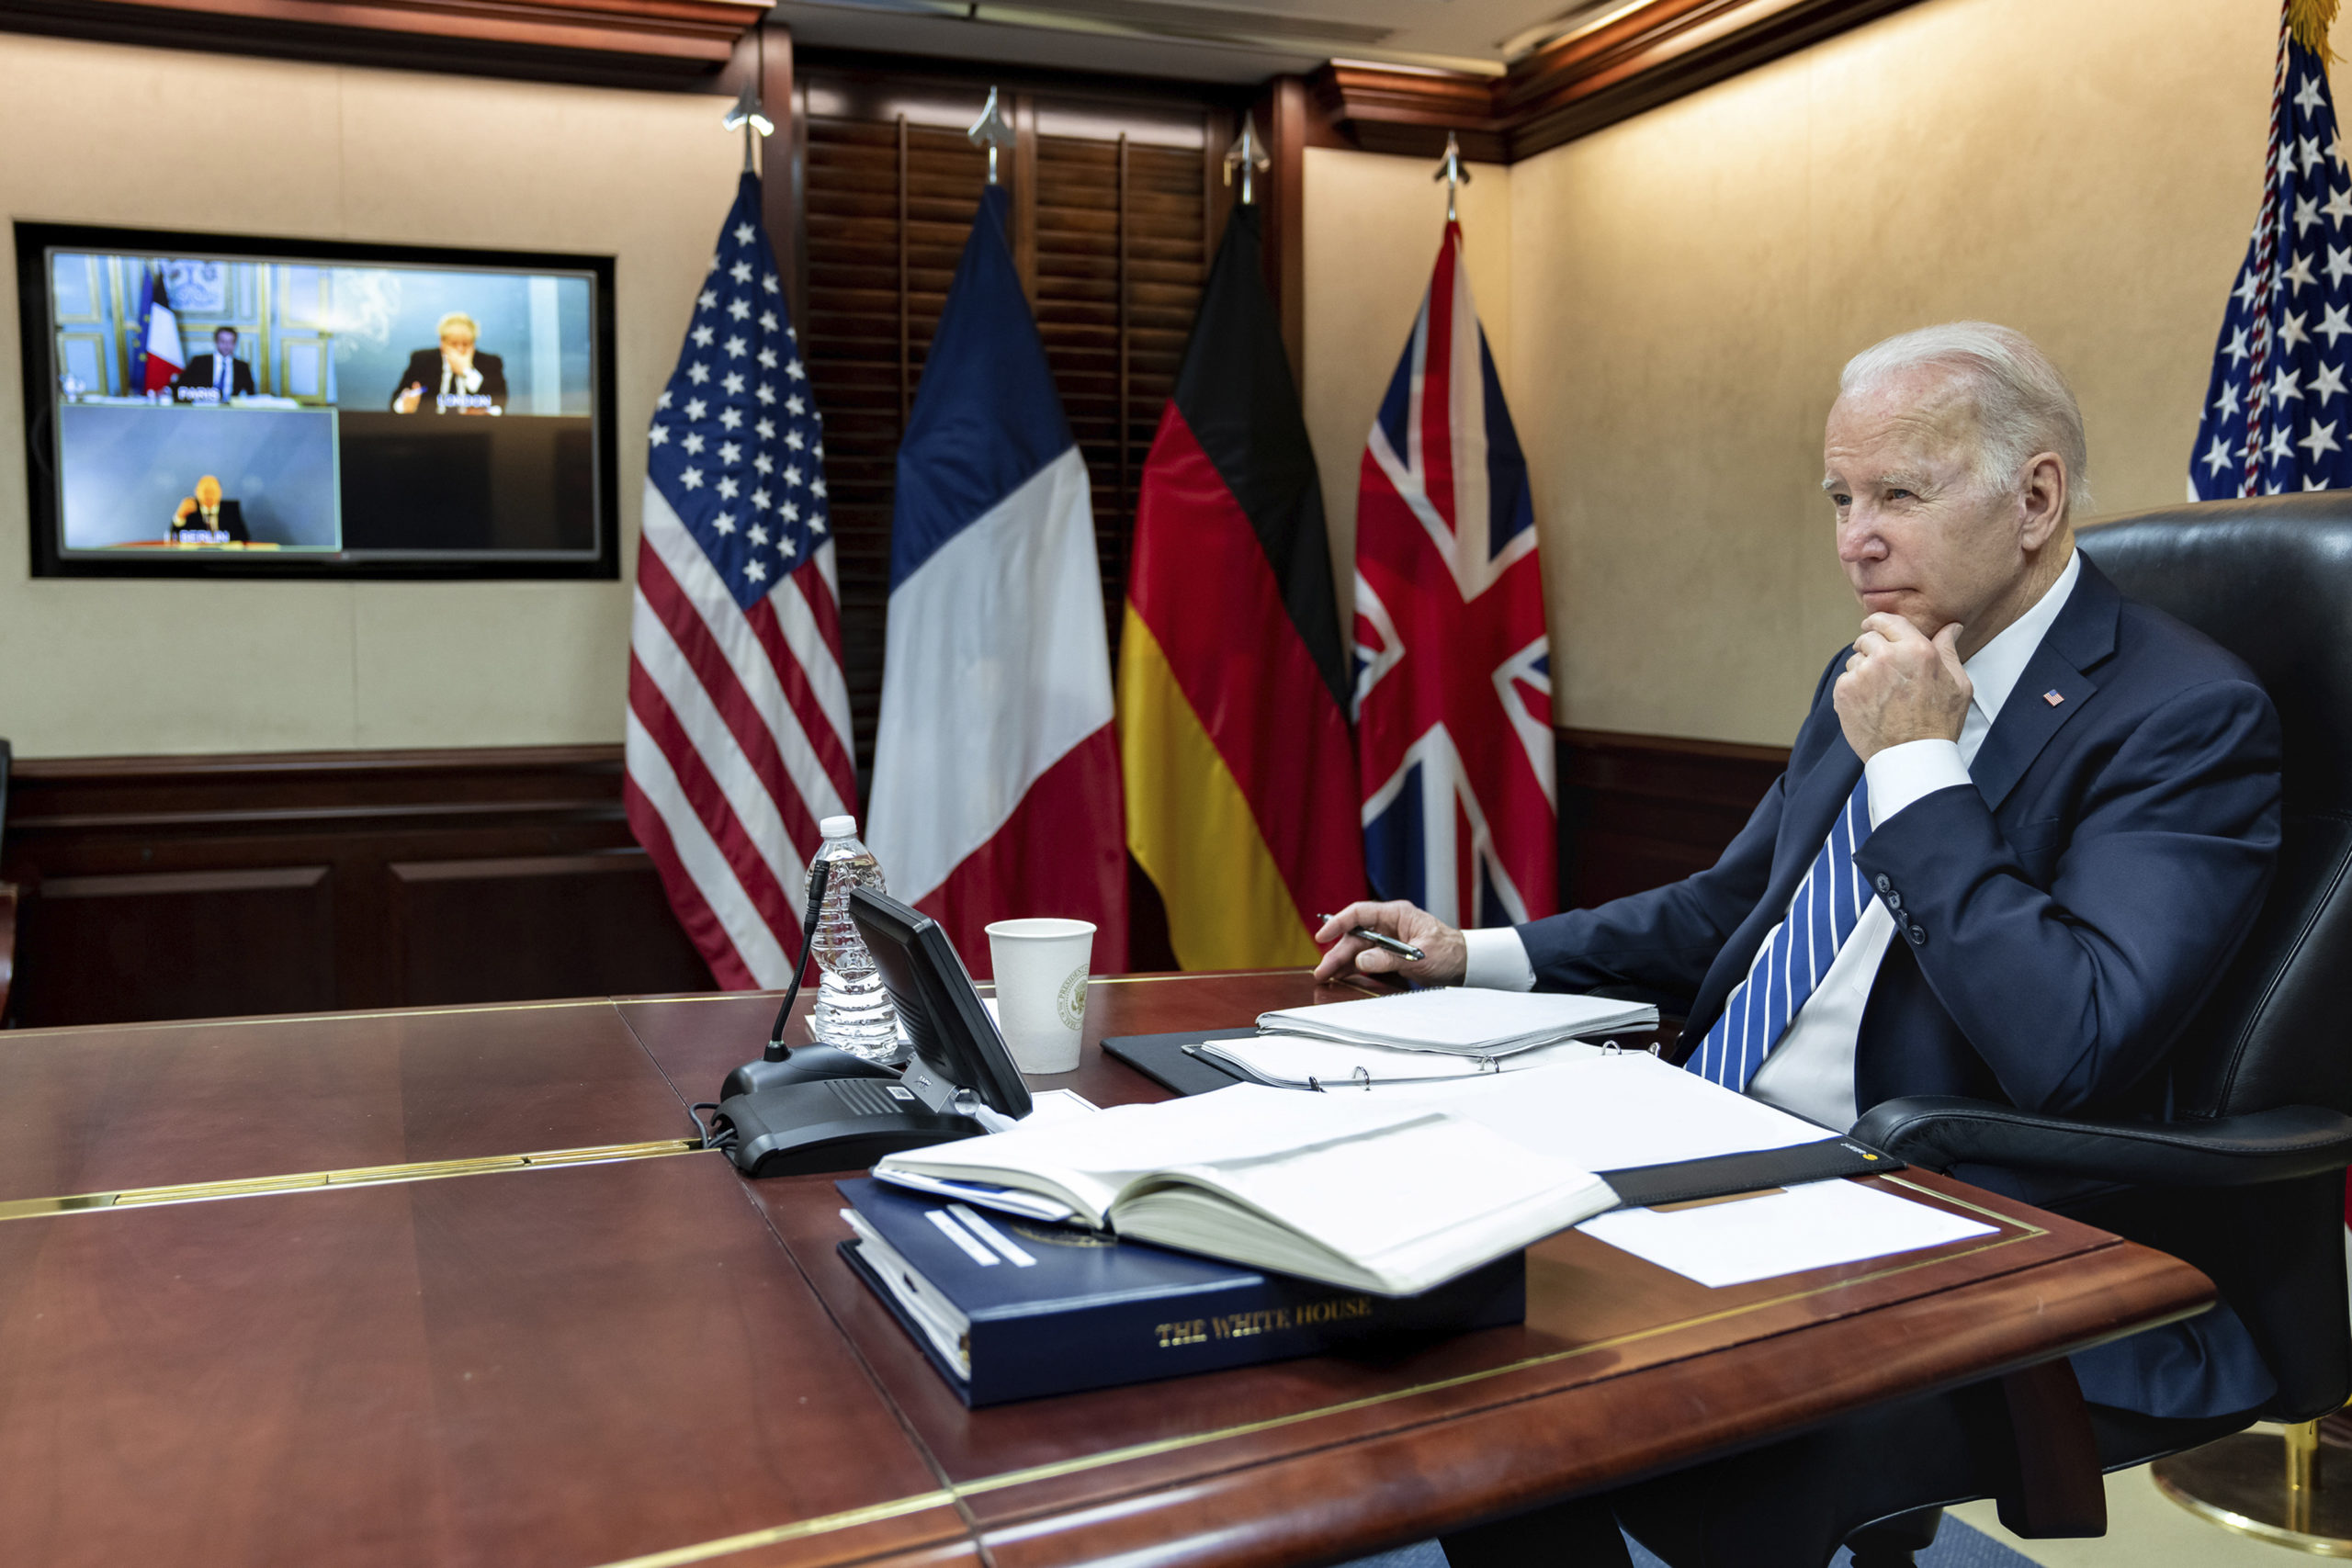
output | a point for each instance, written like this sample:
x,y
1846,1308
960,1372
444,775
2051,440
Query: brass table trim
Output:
x,y
52,1031
956,1491
776,1535
358,1176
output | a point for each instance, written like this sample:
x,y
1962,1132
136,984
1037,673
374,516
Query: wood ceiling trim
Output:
x,y
1648,56
606,39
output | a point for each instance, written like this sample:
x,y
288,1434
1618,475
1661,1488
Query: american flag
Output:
x,y
2279,413
1454,671
738,738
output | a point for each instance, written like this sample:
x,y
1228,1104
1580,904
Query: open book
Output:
x,y
1462,1021
1351,1190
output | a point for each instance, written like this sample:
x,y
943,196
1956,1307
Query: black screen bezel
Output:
x,y
950,1029
36,344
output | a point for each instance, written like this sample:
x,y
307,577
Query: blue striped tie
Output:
x,y
1827,905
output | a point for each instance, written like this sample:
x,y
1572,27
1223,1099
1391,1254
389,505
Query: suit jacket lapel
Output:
x,y
2081,638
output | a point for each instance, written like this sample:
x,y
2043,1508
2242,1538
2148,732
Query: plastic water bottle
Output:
x,y
853,1011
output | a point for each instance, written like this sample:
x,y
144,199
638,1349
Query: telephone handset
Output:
x,y
850,1117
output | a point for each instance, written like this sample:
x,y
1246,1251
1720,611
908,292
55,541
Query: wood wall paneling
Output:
x,y
507,929
1281,194
180,887
180,945
1638,811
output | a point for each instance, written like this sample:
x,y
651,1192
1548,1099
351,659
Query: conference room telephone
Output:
x,y
813,1108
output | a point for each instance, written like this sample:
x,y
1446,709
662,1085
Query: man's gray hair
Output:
x,y
2022,404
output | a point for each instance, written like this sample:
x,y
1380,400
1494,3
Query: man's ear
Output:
x,y
2041,503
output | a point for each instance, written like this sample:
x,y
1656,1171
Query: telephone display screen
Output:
x,y
938,1005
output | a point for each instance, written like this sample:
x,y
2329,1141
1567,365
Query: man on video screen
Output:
x,y
453,378
205,518
217,377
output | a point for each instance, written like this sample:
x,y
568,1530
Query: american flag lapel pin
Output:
x,y
2052,697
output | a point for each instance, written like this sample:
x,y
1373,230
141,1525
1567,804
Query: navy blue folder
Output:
x,y
1095,1312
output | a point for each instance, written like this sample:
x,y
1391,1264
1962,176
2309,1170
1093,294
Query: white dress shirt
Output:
x,y
1811,1070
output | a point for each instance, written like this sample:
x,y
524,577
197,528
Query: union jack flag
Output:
x,y
1454,672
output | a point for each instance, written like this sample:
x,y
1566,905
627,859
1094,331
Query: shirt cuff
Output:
x,y
1900,775
1497,960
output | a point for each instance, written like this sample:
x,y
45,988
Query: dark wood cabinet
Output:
x,y
158,887
161,887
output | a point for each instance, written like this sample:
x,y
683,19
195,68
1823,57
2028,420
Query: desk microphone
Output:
x,y
779,1064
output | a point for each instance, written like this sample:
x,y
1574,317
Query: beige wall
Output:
x,y
91,668
1373,226
1668,302
1681,289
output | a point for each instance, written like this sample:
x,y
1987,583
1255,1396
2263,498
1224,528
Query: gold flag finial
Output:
x,y
1249,155
991,131
2308,21
1451,172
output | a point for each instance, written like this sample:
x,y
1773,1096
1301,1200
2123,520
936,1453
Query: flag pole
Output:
x,y
1451,171
1250,154
991,131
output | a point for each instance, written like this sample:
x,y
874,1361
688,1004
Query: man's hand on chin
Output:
x,y
1443,959
1901,686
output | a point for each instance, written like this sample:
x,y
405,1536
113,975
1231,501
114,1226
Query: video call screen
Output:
x,y
208,403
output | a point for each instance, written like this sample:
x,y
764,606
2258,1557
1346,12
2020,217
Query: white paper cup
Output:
x,y
1041,989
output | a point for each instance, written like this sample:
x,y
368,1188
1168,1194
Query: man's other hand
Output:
x,y
1901,686
411,395
186,509
1444,957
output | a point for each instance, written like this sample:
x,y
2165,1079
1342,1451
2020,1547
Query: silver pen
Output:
x,y
1404,949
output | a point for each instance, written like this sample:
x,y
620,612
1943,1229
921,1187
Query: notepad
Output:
x,y
1460,1020
1352,1190
1295,1061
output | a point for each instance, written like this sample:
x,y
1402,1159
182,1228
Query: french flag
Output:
x,y
160,356
996,768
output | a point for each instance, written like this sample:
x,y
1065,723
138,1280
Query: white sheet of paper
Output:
x,y
1603,1113
1047,1105
1812,1227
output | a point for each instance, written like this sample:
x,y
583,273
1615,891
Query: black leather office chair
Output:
x,y
7,897
2247,1180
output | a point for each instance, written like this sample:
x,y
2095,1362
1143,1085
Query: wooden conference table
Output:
x,y
447,1286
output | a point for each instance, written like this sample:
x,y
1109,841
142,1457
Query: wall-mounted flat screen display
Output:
x,y
216,406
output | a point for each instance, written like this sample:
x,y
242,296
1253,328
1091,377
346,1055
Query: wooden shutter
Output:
x,y
1121,229
1111,216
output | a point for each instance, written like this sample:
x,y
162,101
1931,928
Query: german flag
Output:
x,y
1233,732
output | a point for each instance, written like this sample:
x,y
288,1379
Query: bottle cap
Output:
x,y
838,827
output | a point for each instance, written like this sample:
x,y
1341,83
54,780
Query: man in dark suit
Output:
x,y
208,518
455,377
2023,829
220,374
